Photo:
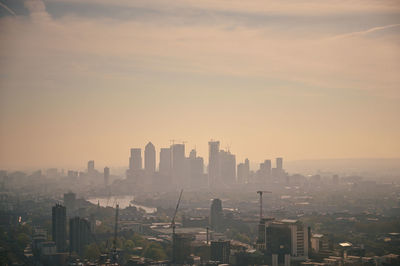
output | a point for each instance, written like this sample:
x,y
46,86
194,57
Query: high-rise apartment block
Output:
x,y
79,234
216,215
59,227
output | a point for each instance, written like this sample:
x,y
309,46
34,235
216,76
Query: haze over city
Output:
x,y
209,132
90,79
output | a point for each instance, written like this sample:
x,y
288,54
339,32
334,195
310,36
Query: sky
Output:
x,y
89,79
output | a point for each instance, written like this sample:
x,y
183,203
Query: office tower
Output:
x,y
213,162
79,234
279,163
150,158
59,227
220,251
247,163
265,171
267,167
178,163
243,172
69,202
216,215
196,171
227,167
135,161
90,167
283,237
165,161
106,175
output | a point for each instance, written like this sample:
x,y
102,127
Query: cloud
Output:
x,y
264,67
37,10
9,10
365,32
75,46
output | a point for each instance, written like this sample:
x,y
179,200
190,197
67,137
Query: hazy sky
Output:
x,y
89,79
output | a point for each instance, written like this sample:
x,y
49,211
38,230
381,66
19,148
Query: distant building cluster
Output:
x,y
176,169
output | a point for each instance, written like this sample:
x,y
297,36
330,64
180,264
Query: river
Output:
x,y
123,201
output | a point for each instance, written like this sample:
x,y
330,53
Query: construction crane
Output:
x,y
260,192
173,226
114,252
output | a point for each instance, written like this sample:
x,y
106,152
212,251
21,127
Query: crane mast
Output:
x,y
115,233
260,192
173,227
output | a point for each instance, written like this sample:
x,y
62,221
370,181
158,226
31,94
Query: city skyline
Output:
x,y
212,132
201,151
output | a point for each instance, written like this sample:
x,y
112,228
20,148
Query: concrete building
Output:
x,y
165,161
150,159
227,167
79,235
196,170
70,202
220,251
59,227
216,215
265,171
279,163
182,248
319,243
90,167
213,162
106,176
243,172
178,163
135,161
283,237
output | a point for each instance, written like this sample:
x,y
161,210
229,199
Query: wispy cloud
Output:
x,y
365,32
8,9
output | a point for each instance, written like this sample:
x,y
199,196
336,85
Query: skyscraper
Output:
x,y
178,162
265,171
135,161
216,215
70,202
90,167
59,227
227,167
196,171
79,233
279,163
213,162
278,172
243,172
165,161
106,175
150,158
268,167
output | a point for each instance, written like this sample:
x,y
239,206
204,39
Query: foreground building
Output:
x,y
59,227
283,240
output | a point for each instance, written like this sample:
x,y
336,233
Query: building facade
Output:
x,y
59,227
